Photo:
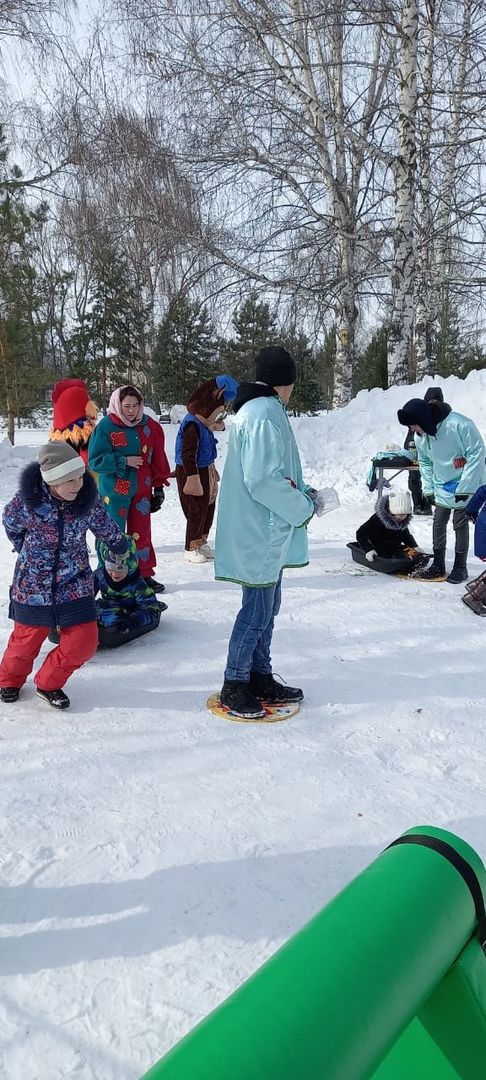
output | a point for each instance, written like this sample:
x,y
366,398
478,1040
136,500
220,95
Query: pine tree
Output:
x,y
371,367
22,326
255,326
454,353
306,395
105,345
185,352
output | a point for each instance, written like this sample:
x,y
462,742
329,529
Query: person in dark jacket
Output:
x,y
128,606
386,533
46,522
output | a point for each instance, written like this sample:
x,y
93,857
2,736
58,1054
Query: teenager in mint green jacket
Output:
x,y
264,507
451,455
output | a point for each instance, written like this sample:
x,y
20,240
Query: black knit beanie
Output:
x,y
434,393
275,366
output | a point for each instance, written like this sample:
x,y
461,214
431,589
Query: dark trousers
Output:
x,y
197,509
415,488
460,525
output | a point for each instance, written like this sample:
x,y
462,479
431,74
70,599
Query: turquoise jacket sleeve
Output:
x,y
102,458
474,451
263,465
425,465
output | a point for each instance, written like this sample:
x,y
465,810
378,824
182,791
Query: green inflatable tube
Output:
x,y
335,999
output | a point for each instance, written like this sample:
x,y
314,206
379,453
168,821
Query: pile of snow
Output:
x,y
177,413
14,457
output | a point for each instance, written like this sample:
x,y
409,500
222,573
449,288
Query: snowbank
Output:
x,y
15,457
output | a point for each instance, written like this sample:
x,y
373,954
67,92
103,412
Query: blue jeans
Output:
x,y
251,637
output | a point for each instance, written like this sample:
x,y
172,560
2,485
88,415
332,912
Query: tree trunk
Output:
x,y
425,307
104,393
403,273
9,397
452,138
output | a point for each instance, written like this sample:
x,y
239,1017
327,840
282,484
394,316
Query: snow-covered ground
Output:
x,y
152,855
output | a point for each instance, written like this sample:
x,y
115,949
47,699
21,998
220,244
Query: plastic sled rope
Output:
x,y
273,713
380,564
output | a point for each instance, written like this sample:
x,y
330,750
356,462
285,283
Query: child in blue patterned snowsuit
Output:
x,y
128,607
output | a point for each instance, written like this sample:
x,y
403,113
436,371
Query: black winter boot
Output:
x,y
157,586
238,698
271,692
459,572
436,571
8,694
57,699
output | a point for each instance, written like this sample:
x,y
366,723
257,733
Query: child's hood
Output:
x,y
387,519
33,491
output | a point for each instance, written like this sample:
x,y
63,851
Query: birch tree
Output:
x,y
400,334
295,140
424,313
451,221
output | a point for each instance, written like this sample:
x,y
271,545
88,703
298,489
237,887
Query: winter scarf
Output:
x,y
248,391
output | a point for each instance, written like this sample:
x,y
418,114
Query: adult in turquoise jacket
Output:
x,y
451,455
264,507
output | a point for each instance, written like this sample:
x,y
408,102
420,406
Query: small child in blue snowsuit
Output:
x,y
128,606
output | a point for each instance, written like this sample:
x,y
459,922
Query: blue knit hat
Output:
x,y
229,385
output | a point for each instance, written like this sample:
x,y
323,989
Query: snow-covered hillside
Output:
x,y
152,855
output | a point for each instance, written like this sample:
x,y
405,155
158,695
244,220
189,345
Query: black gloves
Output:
x,y
157,499
461,498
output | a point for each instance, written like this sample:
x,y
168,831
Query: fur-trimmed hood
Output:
x,y
387,519
33,491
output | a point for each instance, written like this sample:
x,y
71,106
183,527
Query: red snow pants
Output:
x,y
139,525
77,644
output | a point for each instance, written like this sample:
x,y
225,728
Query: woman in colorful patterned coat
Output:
x,y
127,451
46,523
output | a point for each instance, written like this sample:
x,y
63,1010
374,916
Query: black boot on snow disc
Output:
x,y
436,571
267,689
237,697
459,572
